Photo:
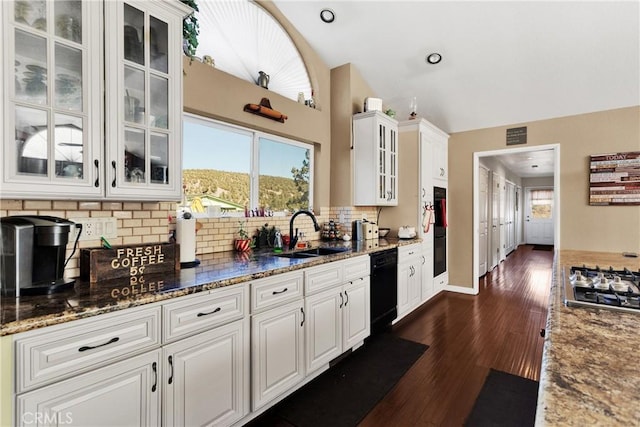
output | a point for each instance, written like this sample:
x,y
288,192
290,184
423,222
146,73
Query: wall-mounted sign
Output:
x,y
516,136
614,179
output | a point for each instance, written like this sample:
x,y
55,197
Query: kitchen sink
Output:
x,y
312,253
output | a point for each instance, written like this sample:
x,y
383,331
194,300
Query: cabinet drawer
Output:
x,y
322,277
276,290
408,252
355,268
54,353
202,312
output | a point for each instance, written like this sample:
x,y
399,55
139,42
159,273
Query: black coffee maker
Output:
x,y
33,255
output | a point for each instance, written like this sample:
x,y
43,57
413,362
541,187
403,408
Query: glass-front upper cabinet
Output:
x,y
51,109
143,40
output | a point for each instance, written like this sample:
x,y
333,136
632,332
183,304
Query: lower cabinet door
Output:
x,y
206,377
126,393
356,321
277,352
404,283
324,327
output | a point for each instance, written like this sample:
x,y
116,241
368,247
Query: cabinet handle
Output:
x,y
341,300
303,316
424,193
280,292
423,260
347,301
154,366
211,312
113,183
97,182
171,366
87,347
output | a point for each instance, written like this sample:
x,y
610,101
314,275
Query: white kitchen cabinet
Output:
x,y
427,271
338,315
375,159
324,328
419,166
440,281
409,278
206,361
51,107
143,83
439,146
52,354
64,90
277,352
122,394
356,314
206,377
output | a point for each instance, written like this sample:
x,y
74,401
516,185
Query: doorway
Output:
x,y
554,151
538,216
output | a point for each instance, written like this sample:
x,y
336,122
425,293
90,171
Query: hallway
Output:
x,y
467,335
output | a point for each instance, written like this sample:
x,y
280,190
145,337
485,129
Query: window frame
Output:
x,y
254,161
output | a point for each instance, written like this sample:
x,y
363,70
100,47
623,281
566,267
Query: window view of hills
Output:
x,y
230,190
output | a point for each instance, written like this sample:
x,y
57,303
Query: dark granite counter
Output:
x,y
590,372
215,270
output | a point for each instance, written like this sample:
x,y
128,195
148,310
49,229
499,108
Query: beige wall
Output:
x,y
348,91
584,227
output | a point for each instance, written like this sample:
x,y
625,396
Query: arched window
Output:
x,y
244,39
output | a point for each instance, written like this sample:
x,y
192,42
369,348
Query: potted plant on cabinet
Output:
x,y
243,242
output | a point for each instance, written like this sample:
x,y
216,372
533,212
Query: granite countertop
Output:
x,y
215,271
590,373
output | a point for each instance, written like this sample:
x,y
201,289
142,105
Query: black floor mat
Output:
x,y
505,400
346,393
543,247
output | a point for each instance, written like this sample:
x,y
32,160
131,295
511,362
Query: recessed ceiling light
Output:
x,y
327,16
433,58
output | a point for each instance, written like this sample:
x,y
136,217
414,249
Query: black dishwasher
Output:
x,y
384,289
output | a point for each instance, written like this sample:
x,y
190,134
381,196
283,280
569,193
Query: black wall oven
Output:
x,y
440,231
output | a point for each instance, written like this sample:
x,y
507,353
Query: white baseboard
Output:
x,y
461,289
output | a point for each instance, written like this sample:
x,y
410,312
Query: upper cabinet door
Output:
x,y
51,111
144,99
375,160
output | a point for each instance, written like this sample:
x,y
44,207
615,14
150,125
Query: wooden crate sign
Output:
x,y
128,261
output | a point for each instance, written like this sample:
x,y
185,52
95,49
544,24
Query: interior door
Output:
x,y
502,203
495,220
483,219
538,216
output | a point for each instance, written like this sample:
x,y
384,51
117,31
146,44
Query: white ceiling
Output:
x,y
503,62
529,164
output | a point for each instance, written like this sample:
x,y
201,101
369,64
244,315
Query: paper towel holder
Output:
x,y
187,240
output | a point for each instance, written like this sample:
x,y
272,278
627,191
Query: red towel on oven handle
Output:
x,y
443,211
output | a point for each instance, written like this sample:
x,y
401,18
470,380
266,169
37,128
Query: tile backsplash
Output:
x,y
143,222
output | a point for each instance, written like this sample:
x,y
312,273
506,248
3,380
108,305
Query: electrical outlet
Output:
x,y
94,228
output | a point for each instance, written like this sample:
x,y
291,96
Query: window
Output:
x,y
234,168
243,39
541,204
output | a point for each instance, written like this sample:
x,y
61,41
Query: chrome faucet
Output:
x,y
294,239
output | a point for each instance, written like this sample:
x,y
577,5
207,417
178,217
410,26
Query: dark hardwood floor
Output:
x,y
468,335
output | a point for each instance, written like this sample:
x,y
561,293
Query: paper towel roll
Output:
x,y
186,238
